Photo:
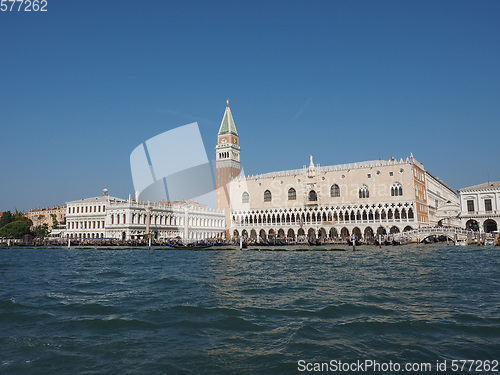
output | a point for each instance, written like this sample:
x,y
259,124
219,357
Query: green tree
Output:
x,y
55,223
20,216
6,218
42,231
15,229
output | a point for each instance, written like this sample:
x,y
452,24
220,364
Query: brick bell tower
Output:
x,y
227,163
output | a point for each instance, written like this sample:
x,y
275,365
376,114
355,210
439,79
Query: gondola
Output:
x,y
428,240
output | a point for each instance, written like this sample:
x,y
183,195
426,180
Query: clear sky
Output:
x,y
84,83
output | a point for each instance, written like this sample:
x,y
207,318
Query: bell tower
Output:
x,y
227,163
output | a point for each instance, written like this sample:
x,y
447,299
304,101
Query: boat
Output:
x,y
489,242
429,240
189,246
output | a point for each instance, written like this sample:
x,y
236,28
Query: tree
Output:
x,y
19,216
15,229
42,231
6,218
55,223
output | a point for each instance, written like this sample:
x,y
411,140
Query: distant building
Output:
x,y
362,199
110,217
480,206
443,202
46,215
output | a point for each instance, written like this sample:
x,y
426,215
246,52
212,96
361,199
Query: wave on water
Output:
x,y
249,312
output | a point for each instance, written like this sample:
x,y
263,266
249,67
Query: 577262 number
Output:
x,y
23,5
470,365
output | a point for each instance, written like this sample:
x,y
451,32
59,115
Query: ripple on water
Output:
x,y
229,312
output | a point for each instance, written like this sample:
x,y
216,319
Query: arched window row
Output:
x,y
165,220
292,194
364,192
328,217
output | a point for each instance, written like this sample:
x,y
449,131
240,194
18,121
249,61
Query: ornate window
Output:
x,y
245,198
364,192
313,196
487,205
335,191
396,189
268,196
470,205
292,194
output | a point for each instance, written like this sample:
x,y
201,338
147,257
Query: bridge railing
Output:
x,y
437,231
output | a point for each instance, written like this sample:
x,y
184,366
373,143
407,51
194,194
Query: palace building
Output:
x,y
47,215
360,199
110,217
480,206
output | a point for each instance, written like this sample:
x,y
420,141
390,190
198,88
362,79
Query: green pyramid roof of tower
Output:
x,y
227,125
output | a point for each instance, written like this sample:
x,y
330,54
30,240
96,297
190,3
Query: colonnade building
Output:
x,y
358,199
480,206
114,218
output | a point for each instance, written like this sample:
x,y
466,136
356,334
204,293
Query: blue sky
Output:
x,y
84,83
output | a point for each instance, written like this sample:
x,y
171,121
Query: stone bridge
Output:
x,y
453,234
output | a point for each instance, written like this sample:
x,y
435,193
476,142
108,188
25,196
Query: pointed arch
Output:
x,y
396,189
312,197
268,196
335,191
245,198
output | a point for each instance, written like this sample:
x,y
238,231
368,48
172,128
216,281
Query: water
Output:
x,y
244,312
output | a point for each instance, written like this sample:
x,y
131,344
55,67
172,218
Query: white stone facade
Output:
x,y
480,206
444,205
121,219
361,199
